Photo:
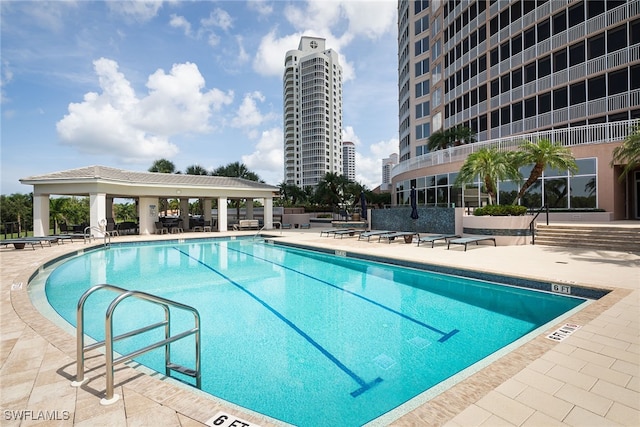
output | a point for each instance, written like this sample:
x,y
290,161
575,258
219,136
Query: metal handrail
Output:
x,y
532,223
110,339
106,235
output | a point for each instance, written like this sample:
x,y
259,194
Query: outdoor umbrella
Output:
x,y
363,205
414,203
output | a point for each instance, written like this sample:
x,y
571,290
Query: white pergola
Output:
x,y
104,184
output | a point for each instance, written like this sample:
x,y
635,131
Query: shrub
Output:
x,y
500,210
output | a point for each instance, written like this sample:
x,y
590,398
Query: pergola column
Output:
x,y
148,213
97,212
222,214
206,209
249,208
41,215
268,213
184,213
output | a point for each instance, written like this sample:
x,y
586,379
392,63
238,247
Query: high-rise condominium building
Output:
x,y
568,71
387,166
349,160
312,89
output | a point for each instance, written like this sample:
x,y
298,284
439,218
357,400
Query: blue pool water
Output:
x,y
308,338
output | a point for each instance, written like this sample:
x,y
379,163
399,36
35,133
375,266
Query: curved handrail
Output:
x,y
109,338
106,235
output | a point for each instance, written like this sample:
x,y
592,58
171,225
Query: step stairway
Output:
x,y
623,238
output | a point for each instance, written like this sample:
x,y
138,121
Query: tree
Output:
x,y
451,137
543,153
491,166
163,166
236,170
628,153
196,170
16,208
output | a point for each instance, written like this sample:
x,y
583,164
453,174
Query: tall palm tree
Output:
x,y
236,170
492,166
438,140
196,170
543,153
163,166
628,153
457,135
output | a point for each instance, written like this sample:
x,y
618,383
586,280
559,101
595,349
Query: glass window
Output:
x,y
544,102
583,192
544,30
597,88
430,181
560,60
618,82
595,46
559,22
507,192
594,8
529,37
586,166
516,111
442,179
556,193
577,93
616,39
576,14
431,196
544,66
560,99
516,78
516,44
576,54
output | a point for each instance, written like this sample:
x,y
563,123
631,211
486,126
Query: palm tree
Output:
x,y
163,166
451,137
196,170
492,166
628,153
543,153
332,189
236,170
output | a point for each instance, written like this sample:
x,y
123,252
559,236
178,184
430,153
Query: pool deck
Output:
x,y
591,378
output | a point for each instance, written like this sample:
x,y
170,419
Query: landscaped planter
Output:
x,y
508,230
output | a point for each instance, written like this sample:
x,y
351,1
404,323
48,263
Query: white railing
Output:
x,y
580,135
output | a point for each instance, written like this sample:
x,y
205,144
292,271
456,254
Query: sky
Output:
x,y
124,83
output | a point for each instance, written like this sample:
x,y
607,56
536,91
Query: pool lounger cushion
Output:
x,y
466,240
347,232
369,234
437,237
392,236
21,243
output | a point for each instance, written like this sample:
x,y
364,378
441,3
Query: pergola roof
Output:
x,y
124,183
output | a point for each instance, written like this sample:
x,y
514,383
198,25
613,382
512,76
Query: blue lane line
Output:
x,y
445,335
364,386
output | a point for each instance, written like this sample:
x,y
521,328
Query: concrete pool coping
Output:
x,y
591,377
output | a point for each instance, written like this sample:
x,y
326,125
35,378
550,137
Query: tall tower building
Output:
x,y
387,166
568,71
349,160
312,94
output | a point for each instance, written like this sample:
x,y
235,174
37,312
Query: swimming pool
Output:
x,y
305,337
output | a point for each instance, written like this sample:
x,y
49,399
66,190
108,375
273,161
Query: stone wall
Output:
x,y
430,220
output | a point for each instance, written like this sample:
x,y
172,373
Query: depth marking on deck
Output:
x,y
563,332
445,335
364,386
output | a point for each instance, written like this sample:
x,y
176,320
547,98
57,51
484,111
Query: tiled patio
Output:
x,y
591,378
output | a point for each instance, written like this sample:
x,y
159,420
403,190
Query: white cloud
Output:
x,y
269,60
261,6
5,77
248,114
218,18
180,22
267,158
116,122
140,10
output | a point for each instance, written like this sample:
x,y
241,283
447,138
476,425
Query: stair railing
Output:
x,y
110,362
532,226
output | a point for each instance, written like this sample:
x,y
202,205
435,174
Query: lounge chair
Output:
x,y
466,240
329,231
392,236
347,232
285,225
434,238
370,234
20,243
305,225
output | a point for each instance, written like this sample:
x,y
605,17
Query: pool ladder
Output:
x,y
110,339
